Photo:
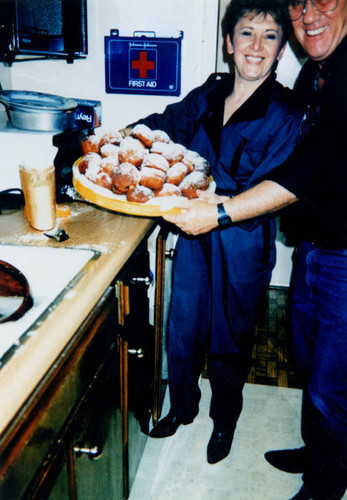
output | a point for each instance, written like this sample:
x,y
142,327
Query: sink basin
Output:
x,y
50,273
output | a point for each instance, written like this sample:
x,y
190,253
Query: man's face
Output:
x,y
320,33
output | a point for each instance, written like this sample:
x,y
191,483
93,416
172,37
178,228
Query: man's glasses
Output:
x,y
298,7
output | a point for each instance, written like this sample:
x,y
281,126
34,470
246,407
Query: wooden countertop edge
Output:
x,y
21,374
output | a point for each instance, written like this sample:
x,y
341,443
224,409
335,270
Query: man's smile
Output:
x,y
317,31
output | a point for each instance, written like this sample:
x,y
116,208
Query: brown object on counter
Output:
x,y
13,283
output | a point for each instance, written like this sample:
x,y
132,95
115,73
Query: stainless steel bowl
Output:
x,y
37,111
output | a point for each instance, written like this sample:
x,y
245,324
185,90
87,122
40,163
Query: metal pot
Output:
x,y
37,111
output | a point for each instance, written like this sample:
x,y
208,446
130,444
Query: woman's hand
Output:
x,y
197,216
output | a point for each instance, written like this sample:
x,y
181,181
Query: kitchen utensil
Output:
x,y
13,285
37,111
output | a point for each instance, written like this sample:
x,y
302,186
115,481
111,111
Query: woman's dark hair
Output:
x,y
278,9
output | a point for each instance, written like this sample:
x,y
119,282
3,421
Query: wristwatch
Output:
x,y
224,220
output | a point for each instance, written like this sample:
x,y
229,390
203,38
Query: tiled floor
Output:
x,y
175,468
272,360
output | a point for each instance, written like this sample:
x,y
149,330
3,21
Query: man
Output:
x,y
315,174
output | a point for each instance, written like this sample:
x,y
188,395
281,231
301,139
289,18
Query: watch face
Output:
x,y
224,221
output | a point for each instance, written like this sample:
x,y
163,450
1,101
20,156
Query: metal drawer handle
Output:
x,y
139,353
170,254
93,452
146,280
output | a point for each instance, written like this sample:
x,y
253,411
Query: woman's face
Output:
x,y
256,45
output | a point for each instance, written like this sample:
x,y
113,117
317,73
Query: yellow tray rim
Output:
x,y
122,206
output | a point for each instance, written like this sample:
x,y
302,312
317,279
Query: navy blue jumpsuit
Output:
x,y
218,277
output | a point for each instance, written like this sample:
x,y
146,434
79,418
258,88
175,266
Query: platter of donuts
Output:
x,y
144,173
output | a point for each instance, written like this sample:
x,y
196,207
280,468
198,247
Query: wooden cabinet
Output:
x,y
82,432
37,451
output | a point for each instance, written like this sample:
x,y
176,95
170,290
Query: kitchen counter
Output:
x,y
114,237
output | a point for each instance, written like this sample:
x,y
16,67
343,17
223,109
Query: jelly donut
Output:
x,y
139,194
171,151
124,177
90,144
108,164
168,190
192,182
109,150
103,179
91,162
176,173
152,177
132,151
111,138
160,136
144,134
155,160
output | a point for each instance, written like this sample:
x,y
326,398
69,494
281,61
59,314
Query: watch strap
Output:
x,y
224,220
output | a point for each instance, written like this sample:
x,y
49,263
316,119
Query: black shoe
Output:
x,y
292,461
168,426
219,445
302,495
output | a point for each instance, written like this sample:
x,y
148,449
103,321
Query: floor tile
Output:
x,y
175,468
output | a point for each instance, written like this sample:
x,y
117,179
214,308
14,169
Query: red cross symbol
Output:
x,y
142,64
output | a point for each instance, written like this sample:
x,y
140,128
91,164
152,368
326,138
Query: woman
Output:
x,y
244,124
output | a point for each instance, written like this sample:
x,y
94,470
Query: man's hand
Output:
x,y
197,216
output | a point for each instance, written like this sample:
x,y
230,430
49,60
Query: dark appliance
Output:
x,y
43,29
69,150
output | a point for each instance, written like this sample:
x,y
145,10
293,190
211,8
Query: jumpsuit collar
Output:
x,y
255,107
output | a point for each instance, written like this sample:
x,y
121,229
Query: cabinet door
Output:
x,y
136,347
37,458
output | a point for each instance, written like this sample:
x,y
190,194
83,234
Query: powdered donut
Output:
x,y
144,134
139,194
176,173
167,190
109,150
155,160
108,164
189,159
111,138
192,182
90,144
104,180
172,151
152,177
124,177
132,151
90,165
202,165
161,136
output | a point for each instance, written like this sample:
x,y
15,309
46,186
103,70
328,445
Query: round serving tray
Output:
x,y
118,203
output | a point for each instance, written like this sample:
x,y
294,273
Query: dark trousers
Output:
x,y
217,282
319,319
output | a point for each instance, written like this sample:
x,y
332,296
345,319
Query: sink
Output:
x,y
50,272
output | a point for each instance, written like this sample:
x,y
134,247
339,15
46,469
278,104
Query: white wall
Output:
x,y
198,19
86,78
